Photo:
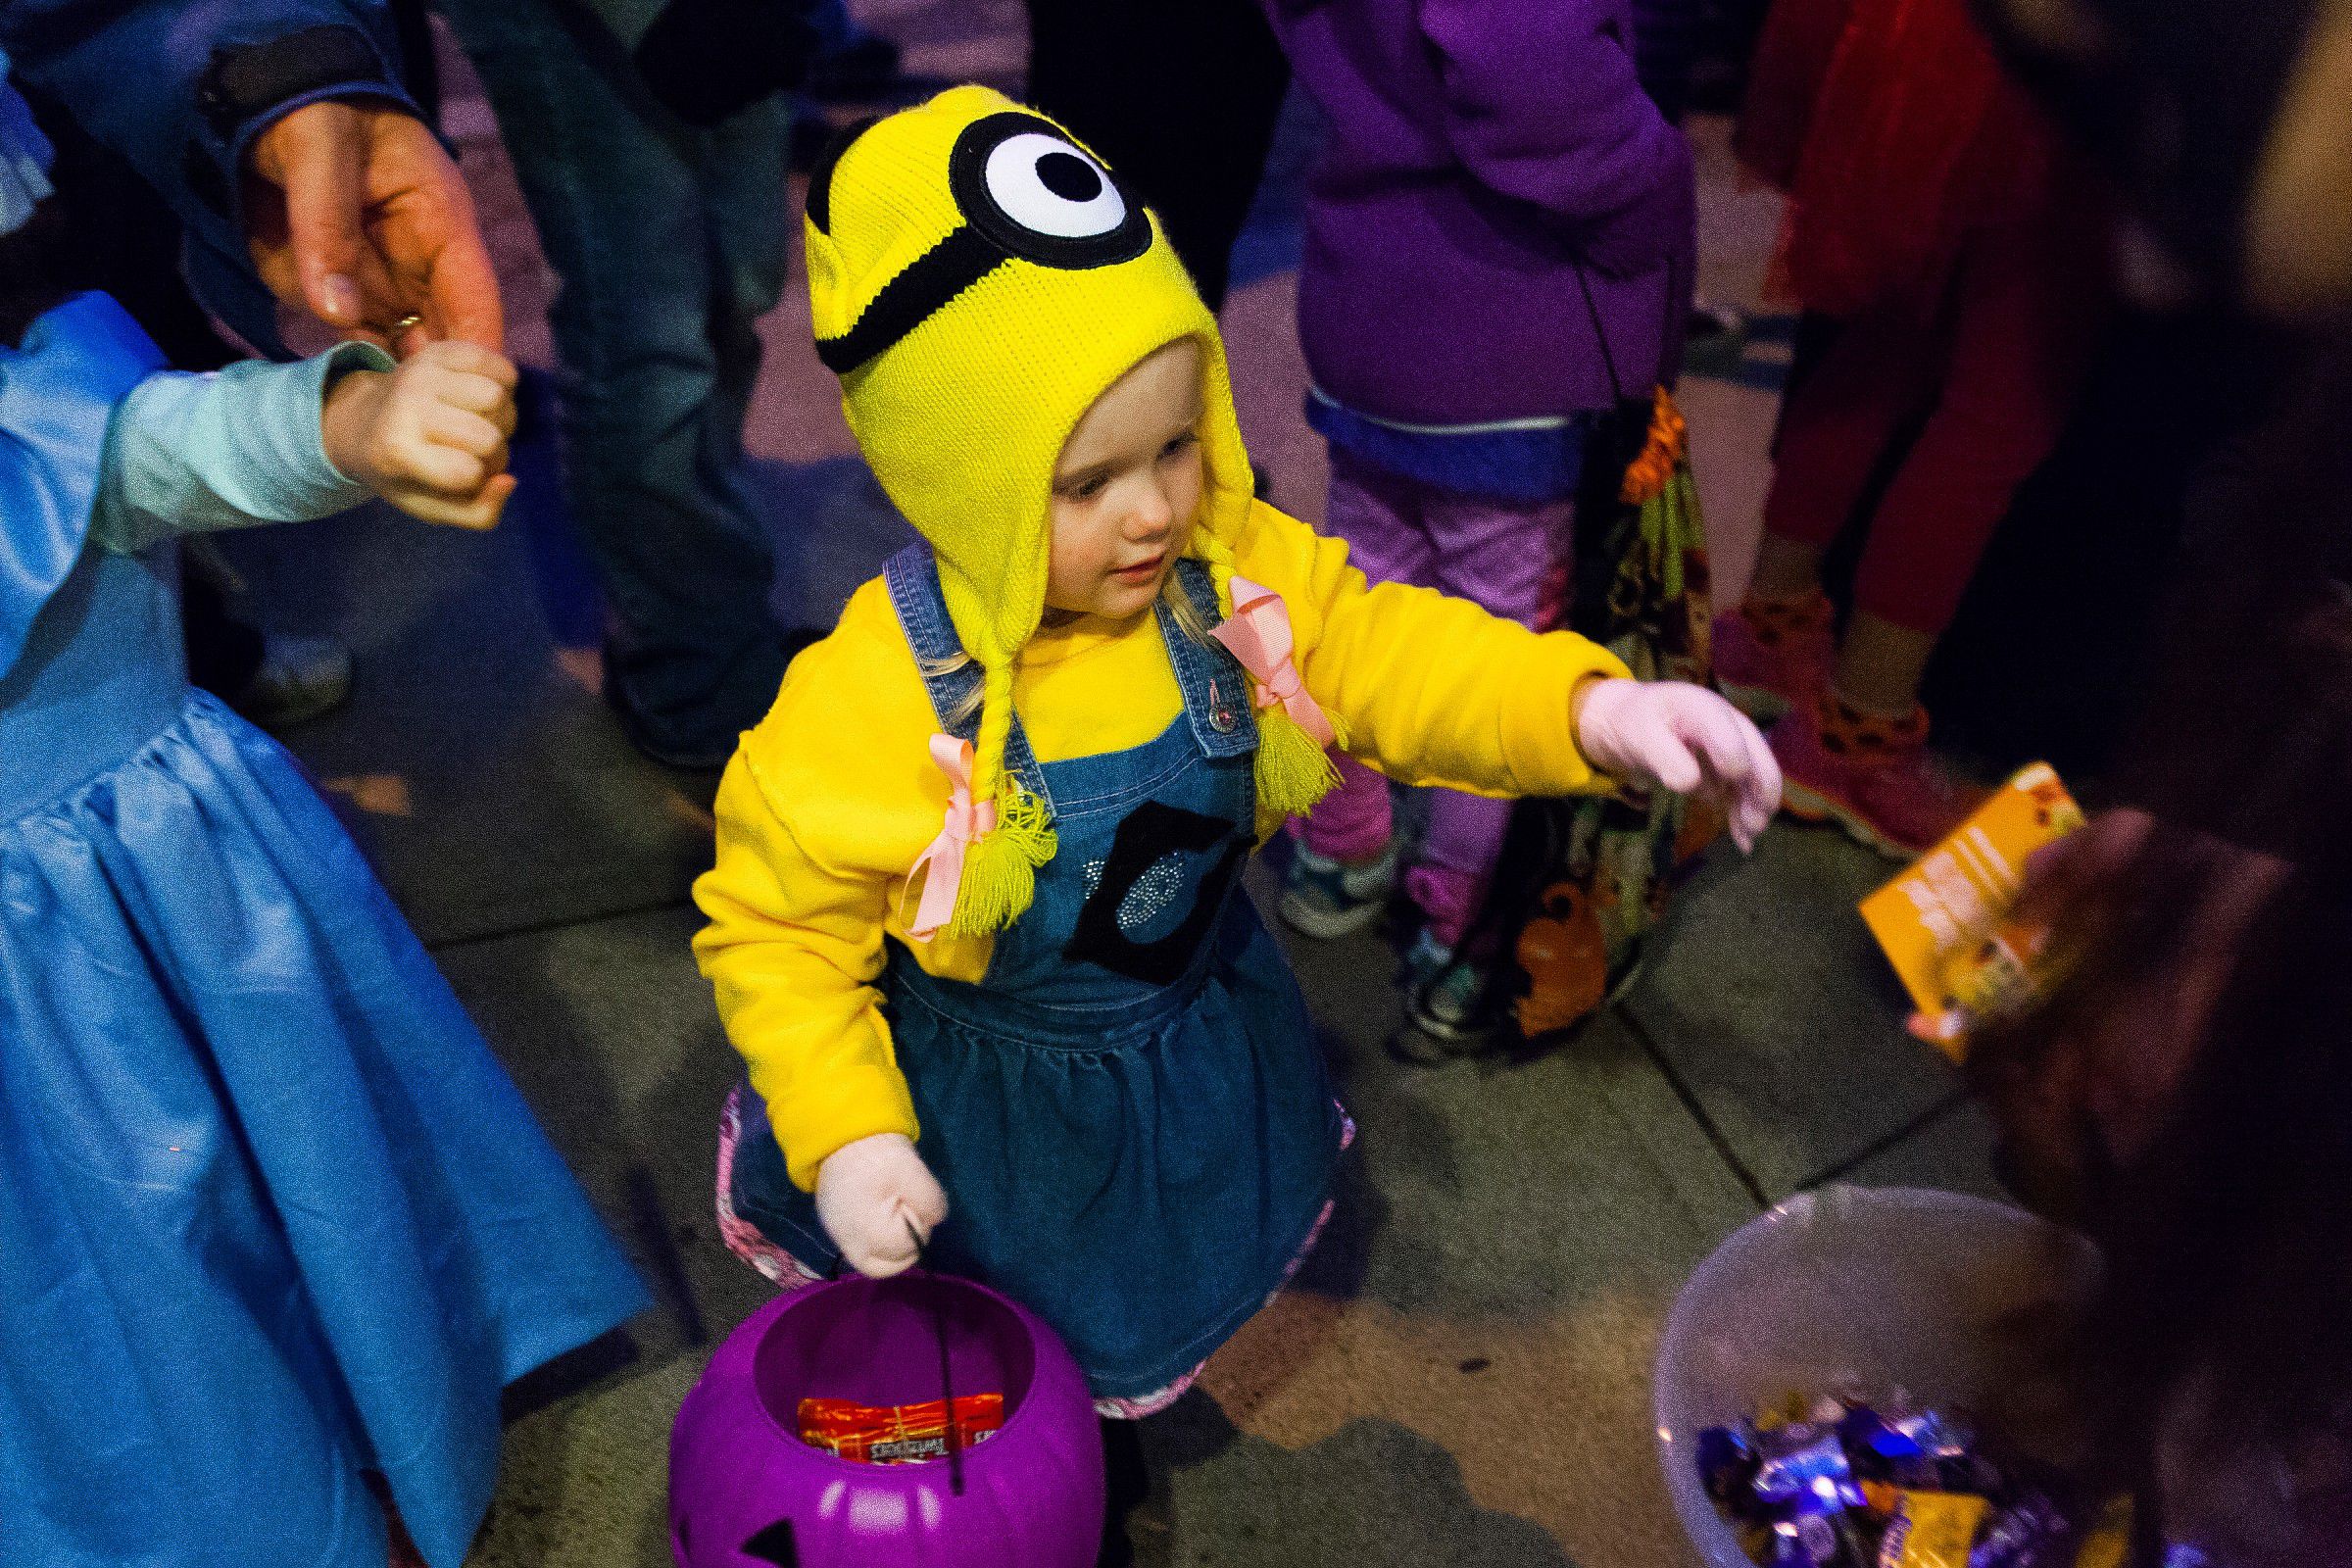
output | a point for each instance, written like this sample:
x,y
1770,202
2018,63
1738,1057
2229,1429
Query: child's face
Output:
x,y
1127,486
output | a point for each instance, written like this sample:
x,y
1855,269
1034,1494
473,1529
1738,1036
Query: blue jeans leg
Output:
x,y
667,244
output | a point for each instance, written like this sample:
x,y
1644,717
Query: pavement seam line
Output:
x,y
1691,1104
1839,1170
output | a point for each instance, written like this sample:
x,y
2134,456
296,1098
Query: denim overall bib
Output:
x,y
1128,1113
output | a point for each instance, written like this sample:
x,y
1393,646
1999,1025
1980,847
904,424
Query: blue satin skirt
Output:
x,y
271,1213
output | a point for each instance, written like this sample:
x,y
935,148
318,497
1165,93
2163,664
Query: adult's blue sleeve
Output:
x,y
146,78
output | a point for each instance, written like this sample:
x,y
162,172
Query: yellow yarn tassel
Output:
x,y
1292,771
999,870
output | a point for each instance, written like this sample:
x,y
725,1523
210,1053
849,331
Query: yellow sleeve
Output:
x,y
1430,689
818,818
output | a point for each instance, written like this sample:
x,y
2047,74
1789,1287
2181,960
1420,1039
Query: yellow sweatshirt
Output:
x,y
832,797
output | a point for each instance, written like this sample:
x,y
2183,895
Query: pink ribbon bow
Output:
x,y
965,822
1258,634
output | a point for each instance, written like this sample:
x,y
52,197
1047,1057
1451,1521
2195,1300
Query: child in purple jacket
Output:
x,y
1499,241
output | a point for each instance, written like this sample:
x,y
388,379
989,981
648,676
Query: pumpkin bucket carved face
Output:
x,y
746,1491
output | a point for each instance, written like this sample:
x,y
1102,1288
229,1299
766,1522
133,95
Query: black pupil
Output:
x,y
1069,177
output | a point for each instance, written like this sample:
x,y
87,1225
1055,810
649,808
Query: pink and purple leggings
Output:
x,y
1500,554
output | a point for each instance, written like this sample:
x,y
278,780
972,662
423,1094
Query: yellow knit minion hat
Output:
x,y
977,279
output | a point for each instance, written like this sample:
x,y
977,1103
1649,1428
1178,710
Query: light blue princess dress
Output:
x,y
272,1216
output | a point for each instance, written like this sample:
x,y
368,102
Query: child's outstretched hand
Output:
x,y
1682,738
430,435
878,1202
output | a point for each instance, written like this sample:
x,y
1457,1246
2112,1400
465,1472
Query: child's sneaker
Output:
x,y
1872,776
1324,898
1770,657
1445,994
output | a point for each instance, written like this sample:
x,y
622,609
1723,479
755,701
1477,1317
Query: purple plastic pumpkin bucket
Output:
x,y
745,1492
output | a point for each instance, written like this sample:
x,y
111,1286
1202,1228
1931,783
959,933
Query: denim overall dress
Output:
x,y
1128,1112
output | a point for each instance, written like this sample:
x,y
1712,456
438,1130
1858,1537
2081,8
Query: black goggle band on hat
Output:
x,y
1027,192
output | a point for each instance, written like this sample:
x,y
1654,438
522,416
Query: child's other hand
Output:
x,y
878,1202
429,436
1679,736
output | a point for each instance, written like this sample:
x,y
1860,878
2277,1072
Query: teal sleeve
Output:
x,y
194,454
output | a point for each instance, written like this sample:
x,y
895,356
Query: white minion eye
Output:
x,y
1047,186
1036,194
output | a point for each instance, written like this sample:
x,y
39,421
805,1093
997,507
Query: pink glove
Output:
x,y
878,1202
1682,738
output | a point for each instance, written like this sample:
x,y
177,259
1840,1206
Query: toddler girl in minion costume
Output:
x,y
974,922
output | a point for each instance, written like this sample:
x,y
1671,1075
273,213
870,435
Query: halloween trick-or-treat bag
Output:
x,y
1583,880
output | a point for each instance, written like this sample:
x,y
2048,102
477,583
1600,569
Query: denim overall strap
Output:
x,y
913,575
1216,689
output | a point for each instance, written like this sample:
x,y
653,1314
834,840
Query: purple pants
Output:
x,y
1500,554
